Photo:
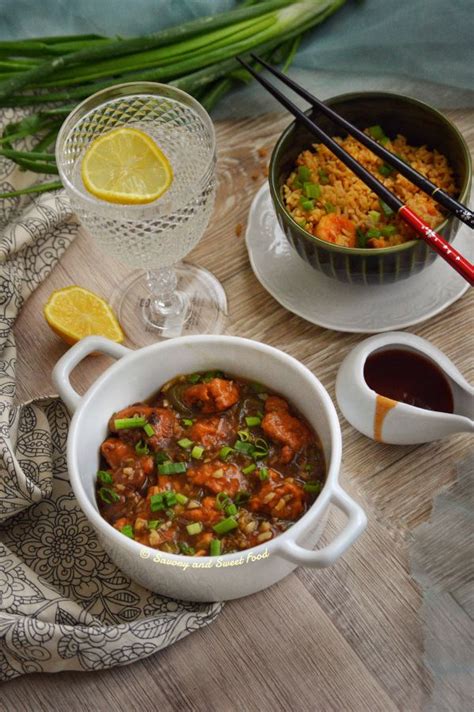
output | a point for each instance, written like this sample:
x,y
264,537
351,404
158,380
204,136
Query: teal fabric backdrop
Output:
x,y
420,40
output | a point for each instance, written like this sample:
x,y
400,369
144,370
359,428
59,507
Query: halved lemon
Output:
x,y
126,166
74,312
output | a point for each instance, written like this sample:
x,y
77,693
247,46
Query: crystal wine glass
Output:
x,y
164,297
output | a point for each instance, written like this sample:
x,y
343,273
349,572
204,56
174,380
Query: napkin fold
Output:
x,y
64,605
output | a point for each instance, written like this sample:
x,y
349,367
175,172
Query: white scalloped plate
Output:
x,y
339,306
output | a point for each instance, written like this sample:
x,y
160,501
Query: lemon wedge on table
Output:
x,y
74,312
126,166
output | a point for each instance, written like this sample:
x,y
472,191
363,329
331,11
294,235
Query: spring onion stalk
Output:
x,y
120,48
125,423
39,188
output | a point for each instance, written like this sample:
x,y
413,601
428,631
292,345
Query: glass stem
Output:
x,y
164,299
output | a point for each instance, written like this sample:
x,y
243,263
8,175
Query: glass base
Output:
x,y
199,294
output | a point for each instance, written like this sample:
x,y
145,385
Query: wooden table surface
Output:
x,y
344,638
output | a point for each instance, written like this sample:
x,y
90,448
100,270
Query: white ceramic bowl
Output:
x,y
138,374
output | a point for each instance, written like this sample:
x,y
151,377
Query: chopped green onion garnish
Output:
x,y
308,467
329,208
154,523
222,500
253,420
312,487
249,469
376,132
212,374
172,468
225,451
258,387
157,502
244,448
304,173
215,547
301,222
306,204
128,531
387,210
149,430
161,457
187,422
263,473
194,528
124,423
388,230
197,452
185,443
373,232
186,549
312,190
230,510
386,170
108,496
105,477
141,448
244,435
241,497
261,448
374,215
169,513
170,498
323,177
181,498
225,525
361,238
384,140
194,378
297,183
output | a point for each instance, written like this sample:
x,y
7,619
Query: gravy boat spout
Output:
x,y
393,421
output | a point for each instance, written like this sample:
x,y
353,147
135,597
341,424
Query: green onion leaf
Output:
x,y
249,469
386,170
187,422
125,423
194,528
172,468
212,374
105,477
170,498
263,473
388,230
231,510
361,238
225,451
225,525
128,531
304,173
157,502
154,523
312,487
323,177
141,448
301,222
258,387
215,547
161,457
374,215
329,208
252,421
185,443
312,190
149,430
376,132
194,378
223,500
386,209
186,549
241,497
108,496
181,498
373,232
244,435
244,448
306,204
197,452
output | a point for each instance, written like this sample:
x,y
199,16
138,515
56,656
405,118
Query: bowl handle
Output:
x,y
356,523
71,358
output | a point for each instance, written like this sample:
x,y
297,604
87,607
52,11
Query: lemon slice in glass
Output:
x,y
126,166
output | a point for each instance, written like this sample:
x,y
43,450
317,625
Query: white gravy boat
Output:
x,y
390,421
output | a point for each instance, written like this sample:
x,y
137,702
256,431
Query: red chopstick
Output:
x,y
430,236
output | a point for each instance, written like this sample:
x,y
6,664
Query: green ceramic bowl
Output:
x,y
421,124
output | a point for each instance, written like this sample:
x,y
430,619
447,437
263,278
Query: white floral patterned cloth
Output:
x,y
64,605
